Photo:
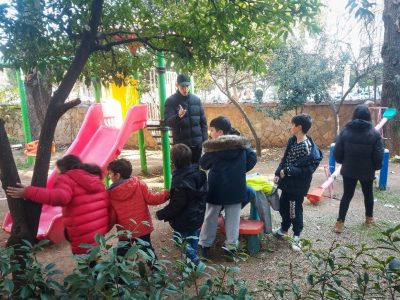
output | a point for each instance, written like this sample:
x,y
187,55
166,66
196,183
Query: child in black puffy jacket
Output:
x,y
185,211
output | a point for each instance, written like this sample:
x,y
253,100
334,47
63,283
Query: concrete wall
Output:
x,y
272,132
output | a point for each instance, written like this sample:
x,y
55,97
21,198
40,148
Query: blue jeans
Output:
x,y
192,240
250,195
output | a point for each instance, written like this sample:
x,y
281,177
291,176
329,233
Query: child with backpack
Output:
x,y
293,176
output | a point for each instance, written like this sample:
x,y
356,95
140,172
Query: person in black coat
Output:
x,y
184,114
185,211
227,157
359,148
293,176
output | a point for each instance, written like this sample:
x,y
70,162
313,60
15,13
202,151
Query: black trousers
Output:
x,y
196,153
349,187
291,211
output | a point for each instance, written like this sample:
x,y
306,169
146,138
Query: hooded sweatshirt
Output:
x,y
228,158
130,201
187,206
85,205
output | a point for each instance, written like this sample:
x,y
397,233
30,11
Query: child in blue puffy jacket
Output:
x,y
228,157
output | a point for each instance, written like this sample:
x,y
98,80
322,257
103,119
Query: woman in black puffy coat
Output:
x,y
359,148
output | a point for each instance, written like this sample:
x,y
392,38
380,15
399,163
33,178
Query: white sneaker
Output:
x,y
296,244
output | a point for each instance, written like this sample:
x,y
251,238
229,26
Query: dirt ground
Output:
x,y
270,262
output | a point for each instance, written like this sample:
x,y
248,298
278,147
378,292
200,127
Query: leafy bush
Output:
x,y
101,274
340,272
345,272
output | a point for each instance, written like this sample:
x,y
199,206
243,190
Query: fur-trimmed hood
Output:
x,y
226,142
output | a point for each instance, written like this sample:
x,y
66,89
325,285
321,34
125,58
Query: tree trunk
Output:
x,y
251,127
55,110
336,118
38,96
391,72
9,177
20,230
246,117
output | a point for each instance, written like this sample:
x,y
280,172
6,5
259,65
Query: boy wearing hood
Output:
x,y
80,191
130,198
185,211
228,157
359,148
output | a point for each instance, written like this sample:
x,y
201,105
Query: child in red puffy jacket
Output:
x,y
130,198
80,191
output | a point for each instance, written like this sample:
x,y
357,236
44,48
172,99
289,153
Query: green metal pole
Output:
x,y
97,89
142,146
163,127
142,151
24,112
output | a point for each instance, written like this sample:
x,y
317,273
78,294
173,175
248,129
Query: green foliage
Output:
x,y
101,274
22,164
38,278
46,34
351,271
9,88
345,272
361,9
387,196
302,76
9,94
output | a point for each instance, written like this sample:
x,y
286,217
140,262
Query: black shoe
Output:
x,y
229,255
205,252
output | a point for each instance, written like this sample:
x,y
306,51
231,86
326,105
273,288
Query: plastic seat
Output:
x,y
250,229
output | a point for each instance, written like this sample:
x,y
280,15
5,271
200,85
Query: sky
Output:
x,y
345,26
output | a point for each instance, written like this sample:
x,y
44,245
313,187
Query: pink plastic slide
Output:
x,y
99,141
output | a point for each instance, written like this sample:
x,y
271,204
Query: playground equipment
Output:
x,y
164,129
32,147
316,194
249,229
127,96
99,141
24,112
384,171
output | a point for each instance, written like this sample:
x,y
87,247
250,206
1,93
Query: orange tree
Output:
x,y
75,39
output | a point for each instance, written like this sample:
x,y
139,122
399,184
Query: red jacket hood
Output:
x,y
89,182
125,190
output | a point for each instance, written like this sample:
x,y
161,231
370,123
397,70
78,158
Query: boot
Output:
x,y
369,221
205,252
339,227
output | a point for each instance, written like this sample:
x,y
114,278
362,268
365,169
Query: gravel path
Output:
x,y
271,262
